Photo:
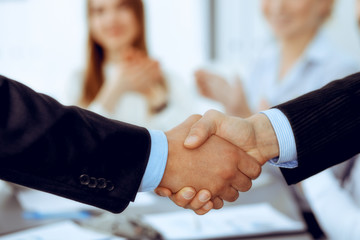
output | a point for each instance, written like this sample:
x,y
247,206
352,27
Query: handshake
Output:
x,y
212,158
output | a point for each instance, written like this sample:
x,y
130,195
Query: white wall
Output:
x,y
343,27
240,29
178,33
41,41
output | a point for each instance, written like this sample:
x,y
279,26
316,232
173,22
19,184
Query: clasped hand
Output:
x,y
211,159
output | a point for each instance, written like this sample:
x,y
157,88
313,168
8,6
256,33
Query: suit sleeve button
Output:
x,y
93,182
101,183
110,186
84,179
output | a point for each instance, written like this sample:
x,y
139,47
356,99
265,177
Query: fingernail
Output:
x,y
204,197
161,194
191,140
188,195
207,206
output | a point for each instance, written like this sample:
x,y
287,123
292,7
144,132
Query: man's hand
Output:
x,y
200,202
253,135
217,165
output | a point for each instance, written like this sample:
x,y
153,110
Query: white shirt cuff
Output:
x,y
157,161
287,145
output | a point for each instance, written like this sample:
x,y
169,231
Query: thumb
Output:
x,y
202,130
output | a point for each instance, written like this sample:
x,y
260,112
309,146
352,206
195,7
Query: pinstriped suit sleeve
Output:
x,y
326,126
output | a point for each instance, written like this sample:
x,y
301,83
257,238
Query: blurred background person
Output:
x,y
121,80
334,197
301,58
335,194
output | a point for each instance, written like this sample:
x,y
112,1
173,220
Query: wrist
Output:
x,y
265,136
169,178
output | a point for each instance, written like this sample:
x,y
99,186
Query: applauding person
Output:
x,y
121,80
301,59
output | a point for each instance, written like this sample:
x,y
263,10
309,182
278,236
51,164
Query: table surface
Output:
x,y
274,192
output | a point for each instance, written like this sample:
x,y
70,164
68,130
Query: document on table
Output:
x,y
59,231
45,203
41,202
245,220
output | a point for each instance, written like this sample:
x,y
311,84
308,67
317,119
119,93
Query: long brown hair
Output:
x,y
94,75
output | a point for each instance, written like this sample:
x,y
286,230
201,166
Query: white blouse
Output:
x,y
321,63
336,208
133,108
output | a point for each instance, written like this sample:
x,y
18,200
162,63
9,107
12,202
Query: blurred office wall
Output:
x,y
41,41
178,32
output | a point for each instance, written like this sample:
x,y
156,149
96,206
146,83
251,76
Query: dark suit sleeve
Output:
x,y
69,151
326,126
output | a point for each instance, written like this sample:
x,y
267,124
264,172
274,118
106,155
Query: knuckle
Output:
x,y
180,202
233,197
199,129
194,207
200,212
218,188
219,204
253,170
246,186
257,172
228,173
211,113
234,155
